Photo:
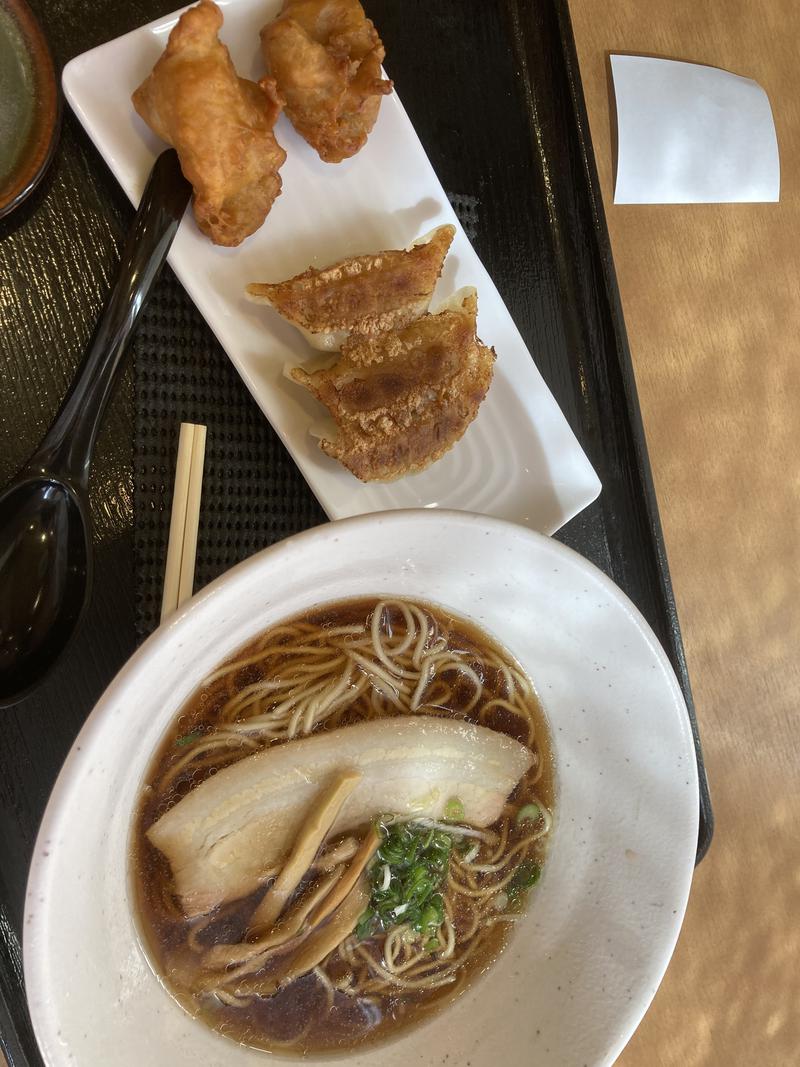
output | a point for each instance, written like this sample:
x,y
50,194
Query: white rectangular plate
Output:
x,y
519,460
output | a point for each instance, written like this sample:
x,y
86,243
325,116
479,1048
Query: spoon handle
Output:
x,y
67,447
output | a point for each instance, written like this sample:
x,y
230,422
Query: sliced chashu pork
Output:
x,y
221,837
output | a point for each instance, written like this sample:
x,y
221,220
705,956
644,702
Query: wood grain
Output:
x,y
712,306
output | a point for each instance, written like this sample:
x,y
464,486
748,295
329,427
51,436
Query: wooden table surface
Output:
x,y
711,296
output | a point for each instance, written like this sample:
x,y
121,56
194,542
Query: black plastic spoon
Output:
x,y
45,529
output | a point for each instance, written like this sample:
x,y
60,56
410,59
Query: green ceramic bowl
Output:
x,y
30,111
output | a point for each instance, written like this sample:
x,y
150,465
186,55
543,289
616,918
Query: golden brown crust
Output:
x,y
220,125
402,399
382,291
325,56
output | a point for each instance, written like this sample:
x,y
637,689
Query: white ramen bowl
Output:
x,y
583,964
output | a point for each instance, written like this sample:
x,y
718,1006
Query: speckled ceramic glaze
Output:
x,y
581,967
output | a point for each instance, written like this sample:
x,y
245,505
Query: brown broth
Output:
x,y
274,1023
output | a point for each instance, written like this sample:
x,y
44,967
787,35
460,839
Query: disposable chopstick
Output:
x,y
185,519
186,582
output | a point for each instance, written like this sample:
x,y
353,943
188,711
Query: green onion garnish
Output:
x,y
417,860
528,813
364,928
525,876
453,810
188,738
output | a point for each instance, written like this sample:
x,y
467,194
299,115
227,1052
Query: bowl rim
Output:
x,y
171,628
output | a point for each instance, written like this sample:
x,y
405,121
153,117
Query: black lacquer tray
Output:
x,y
493,90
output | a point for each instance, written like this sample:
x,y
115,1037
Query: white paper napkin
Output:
x,y
689,134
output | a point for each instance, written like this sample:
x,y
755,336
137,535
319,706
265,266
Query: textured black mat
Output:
x,y
253,494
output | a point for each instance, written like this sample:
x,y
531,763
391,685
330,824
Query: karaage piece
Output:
x,y
382,291
325,56
402,398
220,125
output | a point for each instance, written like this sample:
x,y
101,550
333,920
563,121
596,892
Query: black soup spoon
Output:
x,y
45,528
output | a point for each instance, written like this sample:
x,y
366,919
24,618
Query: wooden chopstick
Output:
x,y
186,583
185,519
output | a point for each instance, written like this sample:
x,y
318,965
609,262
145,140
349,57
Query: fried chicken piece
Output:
x,y
383,291
402,398
325,56
220,125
